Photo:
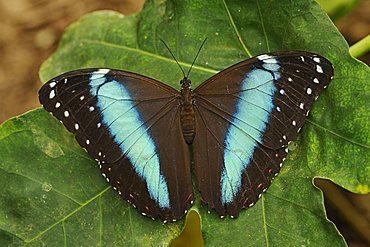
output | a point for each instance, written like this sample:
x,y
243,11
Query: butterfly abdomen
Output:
x,y
188,124
187,114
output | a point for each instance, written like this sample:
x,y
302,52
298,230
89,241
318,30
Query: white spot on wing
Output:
x,y
319,69
301,105
294,123
315,80
98,125
87,141
278,109
290,79
77,126
57,105
309,91
91,108
282,91
52,84
52,94
264,56
316,59
66,113
103,71
99,74
82,97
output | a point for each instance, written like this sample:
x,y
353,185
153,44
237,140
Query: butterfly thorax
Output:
x,y
187,114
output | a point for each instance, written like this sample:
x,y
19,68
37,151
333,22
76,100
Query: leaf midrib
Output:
x,y
154,55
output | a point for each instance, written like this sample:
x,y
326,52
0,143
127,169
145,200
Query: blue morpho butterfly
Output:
x,y
240,122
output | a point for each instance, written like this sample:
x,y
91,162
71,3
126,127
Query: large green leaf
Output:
x,y
52,193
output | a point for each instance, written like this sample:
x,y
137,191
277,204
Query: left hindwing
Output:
x,y
246,115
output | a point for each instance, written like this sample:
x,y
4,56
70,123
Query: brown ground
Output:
x,y
30,30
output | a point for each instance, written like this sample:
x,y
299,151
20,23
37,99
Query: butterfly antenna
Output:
x,y
200,48
183,72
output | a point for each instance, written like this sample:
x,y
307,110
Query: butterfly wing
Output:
x,y
246,115
130,124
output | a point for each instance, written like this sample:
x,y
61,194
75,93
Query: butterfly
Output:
x,y
240,122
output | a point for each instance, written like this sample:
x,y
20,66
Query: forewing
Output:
x,y
130,124
246,115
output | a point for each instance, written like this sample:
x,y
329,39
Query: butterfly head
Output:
x,y
185,83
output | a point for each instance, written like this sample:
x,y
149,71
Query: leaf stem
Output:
x,y
361,47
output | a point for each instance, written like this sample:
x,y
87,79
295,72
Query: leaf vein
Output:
x,y
263,26
296,204
264,219
232,22
68,215
337,134
40,183
196,67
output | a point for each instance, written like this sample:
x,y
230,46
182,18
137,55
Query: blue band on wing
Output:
x,y
129,132
248,125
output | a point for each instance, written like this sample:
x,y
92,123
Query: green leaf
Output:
x,y
52,192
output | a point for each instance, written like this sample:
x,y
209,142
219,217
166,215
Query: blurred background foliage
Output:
x,y
31,29
337,8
